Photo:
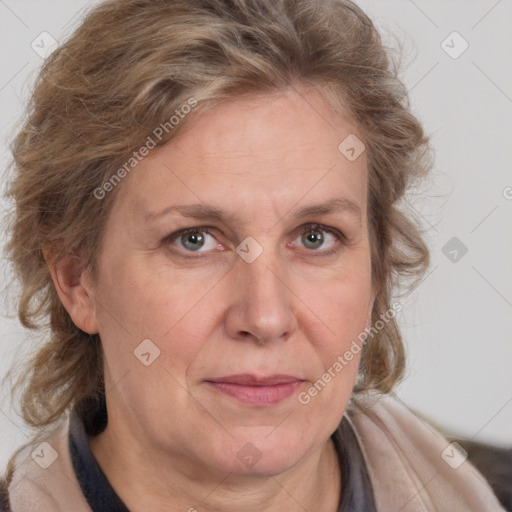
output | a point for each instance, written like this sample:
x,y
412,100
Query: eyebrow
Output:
x,y
208,212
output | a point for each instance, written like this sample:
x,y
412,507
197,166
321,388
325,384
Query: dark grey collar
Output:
x,y
357,493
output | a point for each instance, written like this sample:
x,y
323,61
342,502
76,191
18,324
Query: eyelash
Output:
x,y
306,229
337,234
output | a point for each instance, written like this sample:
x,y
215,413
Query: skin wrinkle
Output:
x,y
287,312
130,93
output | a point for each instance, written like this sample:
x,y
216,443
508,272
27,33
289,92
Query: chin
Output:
x,y
262,451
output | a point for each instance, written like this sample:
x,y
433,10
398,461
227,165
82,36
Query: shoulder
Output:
x,y
411,465
41,476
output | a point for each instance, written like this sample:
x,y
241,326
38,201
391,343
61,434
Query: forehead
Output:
x,y
262,152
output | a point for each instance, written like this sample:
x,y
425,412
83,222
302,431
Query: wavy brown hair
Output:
x,y
124,71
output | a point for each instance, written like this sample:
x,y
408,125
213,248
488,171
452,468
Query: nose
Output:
x,y
260,302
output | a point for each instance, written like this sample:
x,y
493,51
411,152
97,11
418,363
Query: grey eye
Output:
x,y
316,237
192,241
195,240
313,239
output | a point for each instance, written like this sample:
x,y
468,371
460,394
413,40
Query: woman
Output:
x,y
206,213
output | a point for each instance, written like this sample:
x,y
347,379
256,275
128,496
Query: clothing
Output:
x,y
390,461
101,497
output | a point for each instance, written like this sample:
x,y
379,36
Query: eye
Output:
x,y
193,240
315,236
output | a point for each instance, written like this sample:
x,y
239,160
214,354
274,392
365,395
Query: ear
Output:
x,y
71,280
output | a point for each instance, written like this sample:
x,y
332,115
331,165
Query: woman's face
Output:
x,y
273,279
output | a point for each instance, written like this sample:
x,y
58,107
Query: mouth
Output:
x,y
255,390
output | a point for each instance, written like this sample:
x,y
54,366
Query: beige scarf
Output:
x,y
411,466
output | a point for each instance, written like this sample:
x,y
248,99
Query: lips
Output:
x,y
256,390
246,379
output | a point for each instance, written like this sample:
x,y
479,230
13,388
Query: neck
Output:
x,y
153,482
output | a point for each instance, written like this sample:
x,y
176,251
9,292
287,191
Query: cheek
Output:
x,y
135,305
343,305
344,308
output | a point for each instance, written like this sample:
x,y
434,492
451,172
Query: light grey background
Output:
x,y
458,323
